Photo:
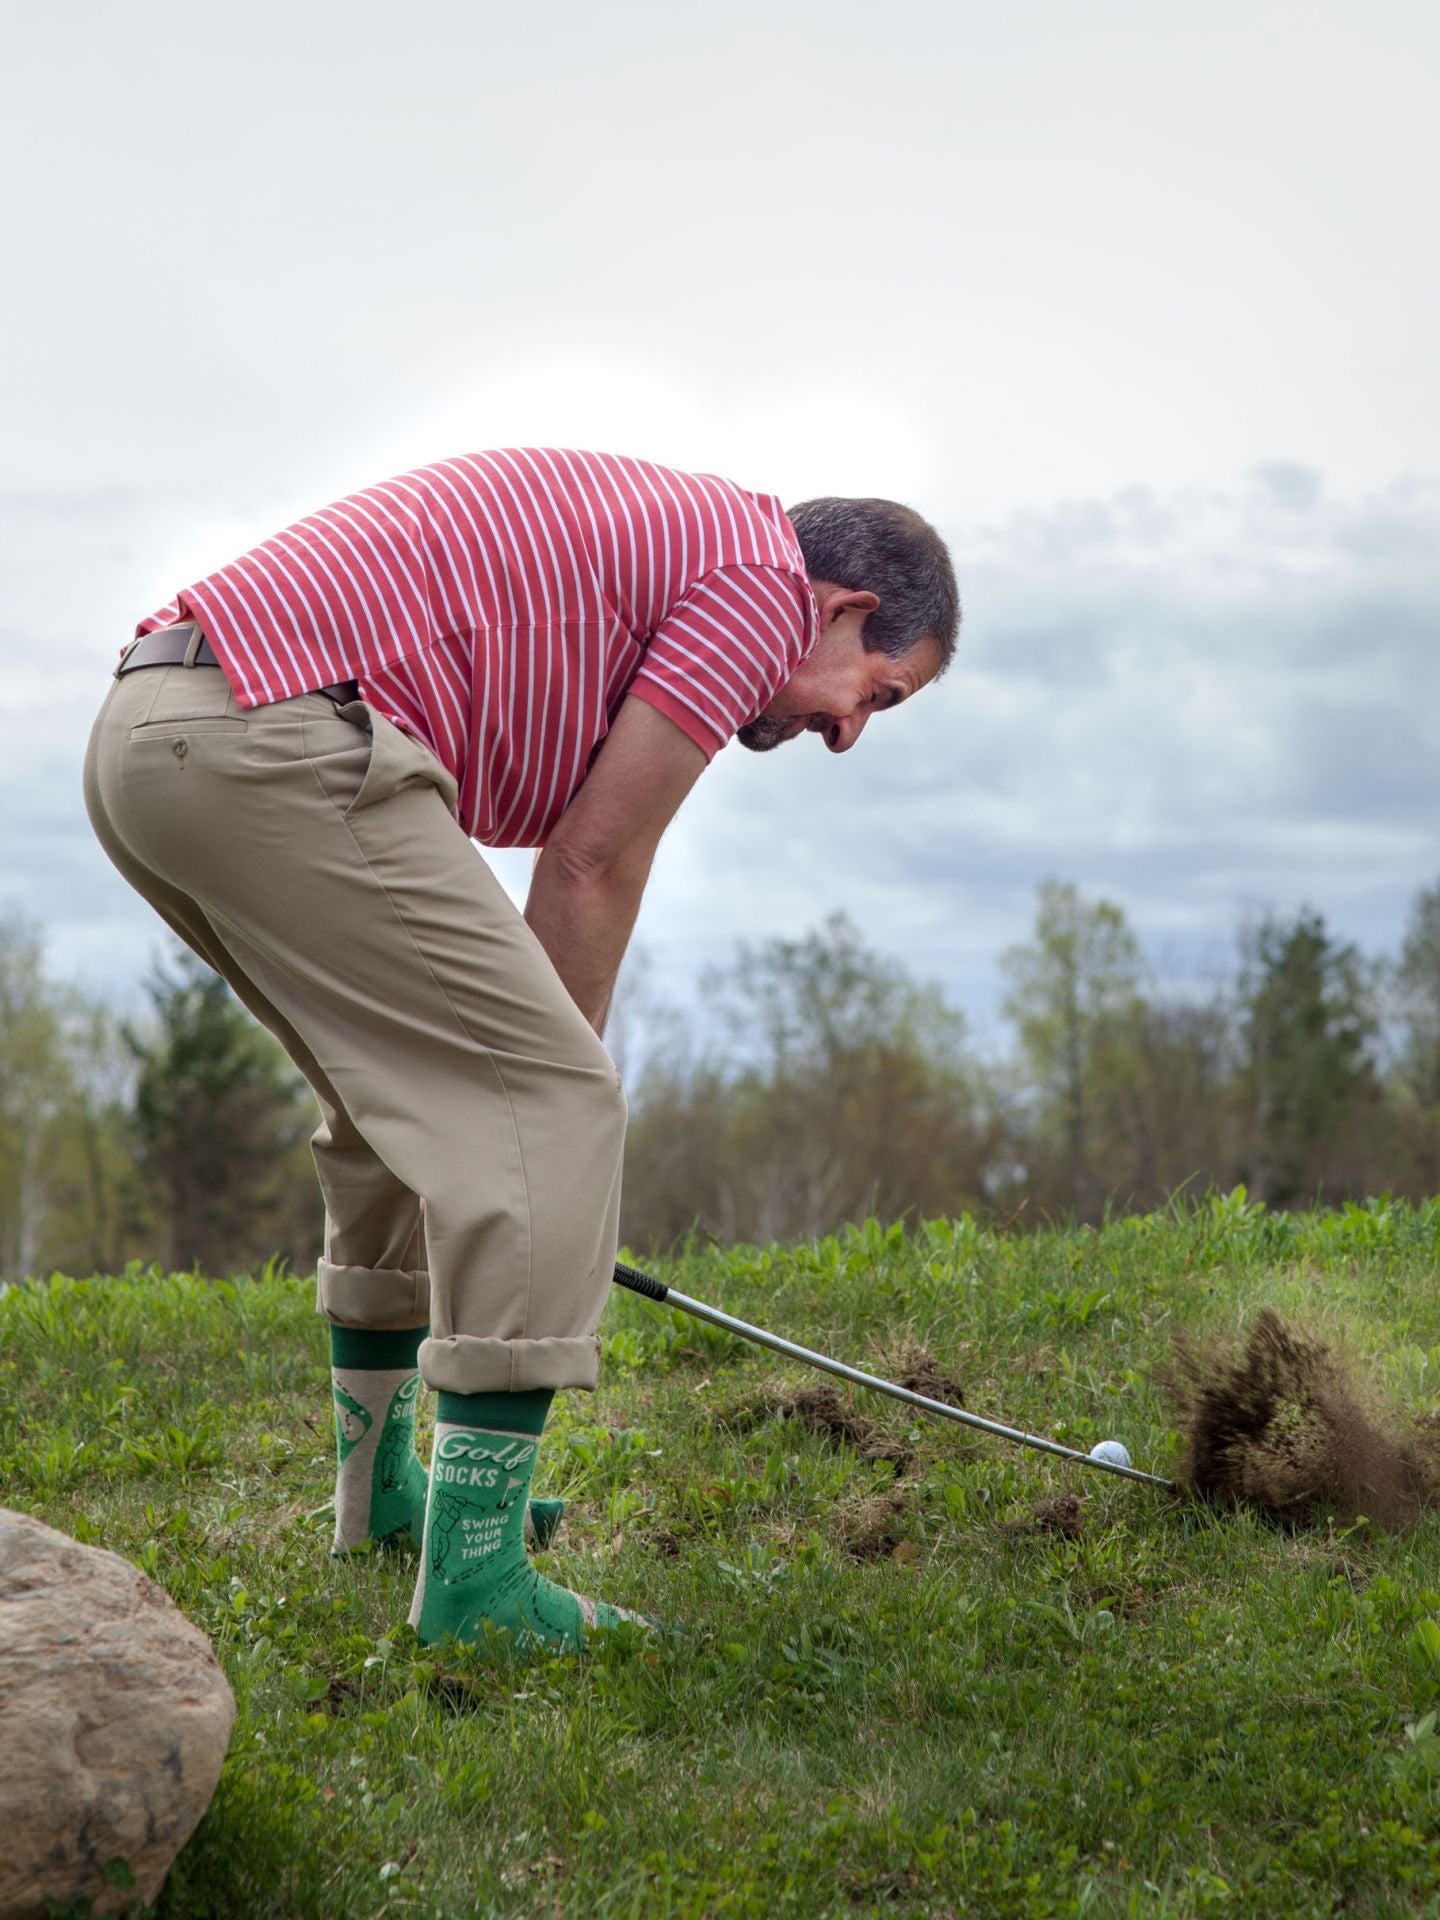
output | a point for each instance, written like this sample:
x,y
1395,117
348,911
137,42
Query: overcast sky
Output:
x,y
1138,304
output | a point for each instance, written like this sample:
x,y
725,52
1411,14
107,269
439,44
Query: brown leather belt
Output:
x,y
176,646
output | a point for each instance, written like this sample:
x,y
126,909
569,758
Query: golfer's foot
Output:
x,y
476,1579
542,1523
533,1611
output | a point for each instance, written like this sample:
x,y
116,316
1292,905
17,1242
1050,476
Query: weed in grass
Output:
x,y
176,1450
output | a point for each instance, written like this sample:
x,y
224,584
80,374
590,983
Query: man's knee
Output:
x,y
610,1110
603,1090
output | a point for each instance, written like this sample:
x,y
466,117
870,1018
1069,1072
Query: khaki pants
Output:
x,y
309,854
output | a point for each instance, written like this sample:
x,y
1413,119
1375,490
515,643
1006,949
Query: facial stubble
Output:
x,y
765,734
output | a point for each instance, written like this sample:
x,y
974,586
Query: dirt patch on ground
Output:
x,y
831,1413
822,1410
875,1529
915,1368
927,1378
1064,1517
1280,1426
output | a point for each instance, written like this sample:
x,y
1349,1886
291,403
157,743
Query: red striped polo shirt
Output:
x,y
501,606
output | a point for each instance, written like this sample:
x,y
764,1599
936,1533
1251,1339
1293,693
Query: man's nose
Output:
x,y
841,735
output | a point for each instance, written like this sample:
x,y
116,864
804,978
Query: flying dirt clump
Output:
x,y
1280,1427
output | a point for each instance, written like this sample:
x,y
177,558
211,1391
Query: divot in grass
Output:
x,y
823,1411
1063,1516
916,1368
875,1528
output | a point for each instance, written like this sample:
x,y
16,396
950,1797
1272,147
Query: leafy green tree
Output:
x,y
36,1088
1417,980
857,1095
1074,1000
1163,1103
845,1090
101,1215
70,1197
794,1005
220,1116
1308,1024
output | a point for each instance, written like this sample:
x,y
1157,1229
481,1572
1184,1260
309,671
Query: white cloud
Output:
x,y
1185,701
1073,251
812,439
998,261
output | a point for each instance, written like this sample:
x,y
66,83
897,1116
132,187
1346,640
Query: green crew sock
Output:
x,y
474,1573
380,1483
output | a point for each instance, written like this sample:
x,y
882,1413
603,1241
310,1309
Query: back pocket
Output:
x,y
190,694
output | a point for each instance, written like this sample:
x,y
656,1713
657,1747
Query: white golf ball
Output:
x,y
1111,1451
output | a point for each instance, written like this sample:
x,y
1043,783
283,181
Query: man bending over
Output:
x,y
528,648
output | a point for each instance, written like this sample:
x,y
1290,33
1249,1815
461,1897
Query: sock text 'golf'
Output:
x,y
474,1572
375,1385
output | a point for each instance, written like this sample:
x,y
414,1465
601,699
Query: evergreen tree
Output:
x,y
1307,1026
219,1115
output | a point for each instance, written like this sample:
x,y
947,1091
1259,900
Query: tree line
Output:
x,y
829,1084
1310,1073
179,1137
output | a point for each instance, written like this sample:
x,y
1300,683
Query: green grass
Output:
x,y
893,1694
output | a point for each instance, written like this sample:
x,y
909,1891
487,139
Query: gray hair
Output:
x,y
880,547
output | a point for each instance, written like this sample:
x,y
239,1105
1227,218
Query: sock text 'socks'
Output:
x,y
380,1483
474,1572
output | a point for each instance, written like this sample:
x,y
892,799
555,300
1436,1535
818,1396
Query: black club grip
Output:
x,y
639,1282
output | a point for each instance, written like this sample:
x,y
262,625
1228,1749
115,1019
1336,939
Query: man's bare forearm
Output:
x,y
583,920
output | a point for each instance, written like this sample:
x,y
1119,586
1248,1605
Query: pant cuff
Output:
x,y
372,1297
461,1363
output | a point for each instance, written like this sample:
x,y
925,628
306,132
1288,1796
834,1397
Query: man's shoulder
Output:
x,y
717,522
648,484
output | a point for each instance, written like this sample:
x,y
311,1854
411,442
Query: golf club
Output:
x,y
642,1283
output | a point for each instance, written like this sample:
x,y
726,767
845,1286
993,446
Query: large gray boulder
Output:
x,y
114,1719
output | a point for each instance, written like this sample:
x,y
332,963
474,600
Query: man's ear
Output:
x,y
833,601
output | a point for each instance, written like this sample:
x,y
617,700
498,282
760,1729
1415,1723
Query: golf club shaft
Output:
x,y
656,1290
